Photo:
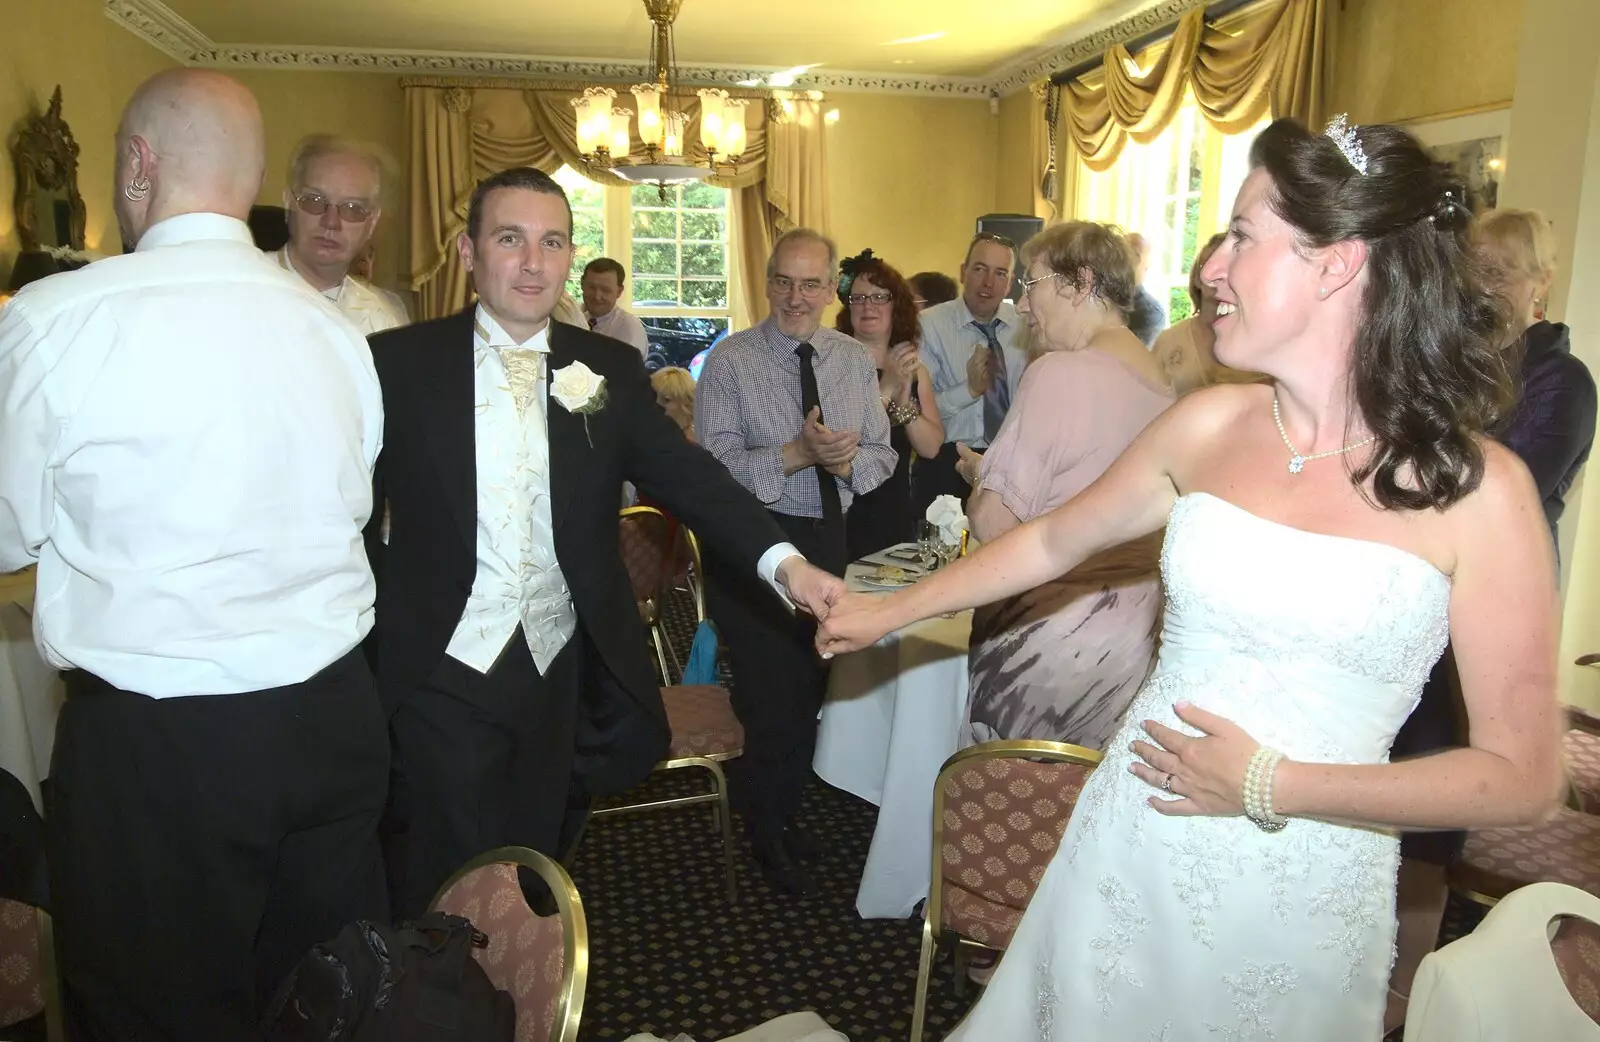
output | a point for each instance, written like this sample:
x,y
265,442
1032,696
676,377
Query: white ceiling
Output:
x,y
964,38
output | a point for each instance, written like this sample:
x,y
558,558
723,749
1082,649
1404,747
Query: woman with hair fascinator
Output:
x,y
1229,871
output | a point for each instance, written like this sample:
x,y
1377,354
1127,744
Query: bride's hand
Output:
x,y
1207,772
855,621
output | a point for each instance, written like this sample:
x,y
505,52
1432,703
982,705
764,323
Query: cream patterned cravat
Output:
x,y
524,373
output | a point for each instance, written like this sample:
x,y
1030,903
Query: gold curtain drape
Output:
x,y
1272,58
460,136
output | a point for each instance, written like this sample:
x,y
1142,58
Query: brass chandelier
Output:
x,y
606,133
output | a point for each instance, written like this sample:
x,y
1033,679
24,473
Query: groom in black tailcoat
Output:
x,y
511,658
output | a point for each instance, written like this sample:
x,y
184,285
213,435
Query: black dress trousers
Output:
x,y
778,678
199,846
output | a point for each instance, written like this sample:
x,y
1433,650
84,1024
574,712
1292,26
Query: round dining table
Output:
x,y
893,714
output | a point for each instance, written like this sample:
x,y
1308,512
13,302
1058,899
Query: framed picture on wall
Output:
x,y
1475,147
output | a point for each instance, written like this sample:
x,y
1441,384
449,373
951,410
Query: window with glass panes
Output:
x,y
588,223
679,248
1177,191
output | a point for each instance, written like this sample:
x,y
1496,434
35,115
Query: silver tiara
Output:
x,y
1344,135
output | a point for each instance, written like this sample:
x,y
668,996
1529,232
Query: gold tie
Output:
x,y
522,371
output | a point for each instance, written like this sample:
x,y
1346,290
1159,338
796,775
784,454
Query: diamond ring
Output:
x,y
1166,786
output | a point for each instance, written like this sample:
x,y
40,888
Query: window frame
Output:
x,y
618,210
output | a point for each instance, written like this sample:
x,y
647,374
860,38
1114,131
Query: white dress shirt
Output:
x,y
519,579
188,435
369,308
624,326
948,340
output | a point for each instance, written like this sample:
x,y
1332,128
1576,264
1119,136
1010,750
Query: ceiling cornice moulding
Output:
x,y
1014,76
167,31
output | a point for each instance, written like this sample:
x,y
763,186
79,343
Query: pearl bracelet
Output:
x,y
1256,793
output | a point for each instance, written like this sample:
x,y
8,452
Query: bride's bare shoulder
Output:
x,y
1506,491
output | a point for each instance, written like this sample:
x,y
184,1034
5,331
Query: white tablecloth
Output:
x,y
31,692
893,715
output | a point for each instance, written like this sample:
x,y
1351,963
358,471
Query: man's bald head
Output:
x,y
190,141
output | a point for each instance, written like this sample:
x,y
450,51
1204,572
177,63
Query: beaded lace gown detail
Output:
x,y
1148,928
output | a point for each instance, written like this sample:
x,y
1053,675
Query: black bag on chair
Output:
x,y
377,983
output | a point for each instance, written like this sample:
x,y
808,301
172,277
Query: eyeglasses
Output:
x,y
351,211
809,288
1028,284
869,298
994,238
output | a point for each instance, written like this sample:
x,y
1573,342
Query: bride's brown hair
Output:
x,y
1424,372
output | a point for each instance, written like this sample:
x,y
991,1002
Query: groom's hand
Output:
x,y
811,588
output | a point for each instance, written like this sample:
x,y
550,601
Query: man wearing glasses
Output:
x,y
974,351
792,410
333,205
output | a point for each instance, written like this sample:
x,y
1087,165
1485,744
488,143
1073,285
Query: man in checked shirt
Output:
x,y
792,410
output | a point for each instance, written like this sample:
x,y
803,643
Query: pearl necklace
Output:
x,y
1297,462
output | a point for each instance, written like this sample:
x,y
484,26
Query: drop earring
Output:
x,y
137,189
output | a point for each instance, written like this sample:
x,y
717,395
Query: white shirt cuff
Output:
x,y
767,568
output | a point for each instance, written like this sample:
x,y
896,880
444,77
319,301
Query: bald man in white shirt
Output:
x,y
188,434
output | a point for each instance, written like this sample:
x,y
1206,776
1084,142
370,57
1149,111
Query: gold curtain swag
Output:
x,y
1273,58
460,136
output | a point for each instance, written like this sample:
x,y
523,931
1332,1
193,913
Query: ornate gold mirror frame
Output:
x,y
47,173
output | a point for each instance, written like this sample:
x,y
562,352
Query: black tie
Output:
x,y
832,509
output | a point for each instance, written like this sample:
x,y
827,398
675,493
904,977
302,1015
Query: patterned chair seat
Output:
x,y
21,970
1581,751
1576,948
987,922
703,722
525,956
1565,849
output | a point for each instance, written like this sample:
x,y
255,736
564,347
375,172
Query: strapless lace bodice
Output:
x,y
1148,926
1324,642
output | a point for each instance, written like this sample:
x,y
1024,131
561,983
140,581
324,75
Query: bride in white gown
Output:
x,y
1325,536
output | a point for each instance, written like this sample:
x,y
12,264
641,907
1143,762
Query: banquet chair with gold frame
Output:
x,y
653,554
542,962
999,811
1563,849
705,730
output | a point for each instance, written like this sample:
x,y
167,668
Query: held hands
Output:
x,y
1207,772
980,370
811,588
854,621
834,451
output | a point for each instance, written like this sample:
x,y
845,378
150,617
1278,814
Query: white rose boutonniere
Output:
x,y
945,512
579,390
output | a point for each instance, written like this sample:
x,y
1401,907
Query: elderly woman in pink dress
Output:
x,y
1063,661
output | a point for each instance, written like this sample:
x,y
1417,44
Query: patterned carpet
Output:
x,y
669,955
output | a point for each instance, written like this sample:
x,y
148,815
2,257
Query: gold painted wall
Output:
x,y
98,64
909,177
1014,155
363,105
1413,59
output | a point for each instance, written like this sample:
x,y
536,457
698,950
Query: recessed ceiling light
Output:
x,y
924,38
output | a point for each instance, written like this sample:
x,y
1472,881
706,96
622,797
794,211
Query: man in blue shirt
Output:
x,y
974,351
